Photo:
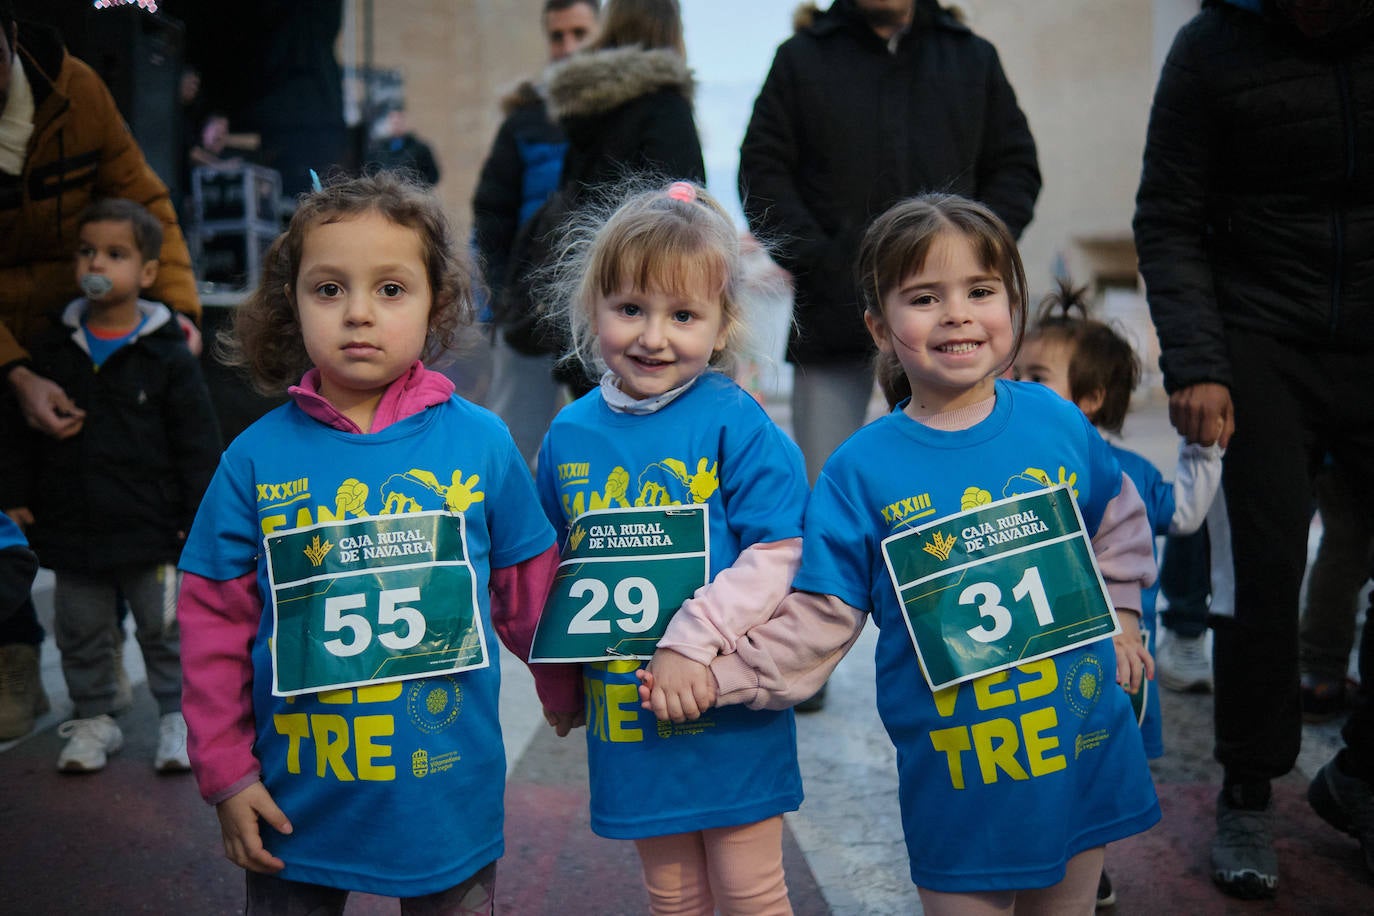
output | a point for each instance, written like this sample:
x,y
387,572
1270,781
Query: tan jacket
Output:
x,y
81,150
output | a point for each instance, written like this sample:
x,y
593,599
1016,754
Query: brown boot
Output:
x,y
21,690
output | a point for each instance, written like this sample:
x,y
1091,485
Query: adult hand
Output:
x,y
1202,413
45,405
194,342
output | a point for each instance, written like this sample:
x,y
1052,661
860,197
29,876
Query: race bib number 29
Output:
x,y
383,598
624,573
999,585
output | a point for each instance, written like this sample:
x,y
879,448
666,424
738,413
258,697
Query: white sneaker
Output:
x,y
1183,664
171,745
89,742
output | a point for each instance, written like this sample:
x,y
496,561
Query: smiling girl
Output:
x,y
967,523
675,494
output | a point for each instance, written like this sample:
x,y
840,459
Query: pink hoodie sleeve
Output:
x,y
518,594
742,596
784,661
1124,546
219,621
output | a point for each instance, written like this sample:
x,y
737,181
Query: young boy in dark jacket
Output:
x,y
109,507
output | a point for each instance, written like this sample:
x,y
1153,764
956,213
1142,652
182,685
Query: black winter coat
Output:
x,y
1256,200
120,490
625,112
519,174
843,128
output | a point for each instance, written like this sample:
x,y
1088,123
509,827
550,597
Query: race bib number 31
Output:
x,y
624,573
383,598
1000,585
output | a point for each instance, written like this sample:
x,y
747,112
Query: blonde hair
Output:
x,y
896,246
266,339
639,237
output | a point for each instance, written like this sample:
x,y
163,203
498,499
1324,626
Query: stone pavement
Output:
x,y
129,841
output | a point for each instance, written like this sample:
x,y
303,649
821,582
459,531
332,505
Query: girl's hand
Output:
x,y
565,722
1134,664
238,824
675,688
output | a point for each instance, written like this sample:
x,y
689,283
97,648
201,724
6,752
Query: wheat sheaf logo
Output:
x,y
575,538
942,546
317,551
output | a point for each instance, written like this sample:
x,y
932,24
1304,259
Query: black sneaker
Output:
x,y
1106,894
1244,863
1346,803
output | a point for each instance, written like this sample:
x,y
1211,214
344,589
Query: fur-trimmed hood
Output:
x,y
595,82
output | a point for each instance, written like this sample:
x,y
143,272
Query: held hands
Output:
x,y
1202,413
675,688
238,824
1134,665
564,722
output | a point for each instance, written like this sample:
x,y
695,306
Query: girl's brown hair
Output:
x,y
265,339
896,245
647,23
1100,359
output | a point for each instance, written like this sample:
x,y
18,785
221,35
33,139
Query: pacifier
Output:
x,y
95,285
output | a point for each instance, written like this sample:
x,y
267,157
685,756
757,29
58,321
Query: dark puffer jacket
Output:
x,y
625,110
117,492
844,127
1256,201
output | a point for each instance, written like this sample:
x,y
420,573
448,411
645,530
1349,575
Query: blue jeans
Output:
x,y
1185,581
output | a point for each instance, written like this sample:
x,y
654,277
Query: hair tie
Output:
x,y
315,181
683,191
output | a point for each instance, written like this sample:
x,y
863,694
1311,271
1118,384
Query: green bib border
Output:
x,y
1076,537
554,644
475,640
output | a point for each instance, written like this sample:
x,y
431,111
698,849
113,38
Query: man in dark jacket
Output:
x,y
870,102
1255,229
521,171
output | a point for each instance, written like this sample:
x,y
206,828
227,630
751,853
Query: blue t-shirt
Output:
x,y
394,788
1030,765
1158,495
713,445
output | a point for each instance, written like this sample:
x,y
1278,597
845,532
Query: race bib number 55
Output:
x,y
1000,585
383,598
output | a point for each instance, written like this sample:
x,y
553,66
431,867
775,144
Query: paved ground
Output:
x,y
129,841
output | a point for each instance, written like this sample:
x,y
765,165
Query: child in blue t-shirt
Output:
x,y
971,524
670,482
349,563
1088,363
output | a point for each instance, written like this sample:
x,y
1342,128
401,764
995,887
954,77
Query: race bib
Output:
x,y
382,598
623,575
1000,585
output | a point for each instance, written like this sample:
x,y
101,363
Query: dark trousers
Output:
x,y
1293,404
